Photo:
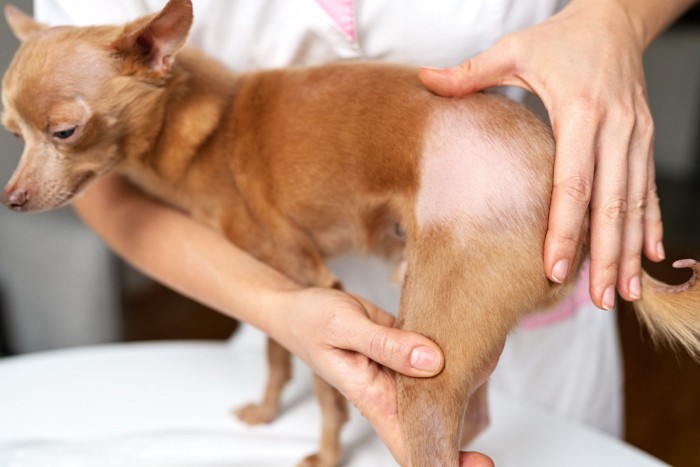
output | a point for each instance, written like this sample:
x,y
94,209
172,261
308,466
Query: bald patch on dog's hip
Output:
x,y
469,174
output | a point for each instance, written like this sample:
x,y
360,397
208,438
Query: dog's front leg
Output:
x,y
295,254
334,413
279,367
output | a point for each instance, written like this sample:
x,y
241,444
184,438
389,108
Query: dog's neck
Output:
x,y
189,110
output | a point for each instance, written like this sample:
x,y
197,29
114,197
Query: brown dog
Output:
x,y
296,165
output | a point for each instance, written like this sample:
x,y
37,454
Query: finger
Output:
x,y
653,225
405,352
609,207
629,280
487,69
575,134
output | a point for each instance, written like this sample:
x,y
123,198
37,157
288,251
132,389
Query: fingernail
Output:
x,y
561,269
609,298
660,251
635,288
425,359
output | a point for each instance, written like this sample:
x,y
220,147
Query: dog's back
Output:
x,y
350,151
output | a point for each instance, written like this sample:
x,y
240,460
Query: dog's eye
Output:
x,y
65,134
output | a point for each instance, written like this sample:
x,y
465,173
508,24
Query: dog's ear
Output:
x,y
154,41
22,26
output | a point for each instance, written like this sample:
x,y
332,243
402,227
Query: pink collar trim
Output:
x,y
343,13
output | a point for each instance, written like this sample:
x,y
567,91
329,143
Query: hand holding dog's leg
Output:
x,y
357,336
585,64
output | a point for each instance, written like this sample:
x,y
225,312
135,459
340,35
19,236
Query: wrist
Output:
x,y
649,18
618,14
638,21
279,312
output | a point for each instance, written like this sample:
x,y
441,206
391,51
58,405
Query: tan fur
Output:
x,y
670,313
297,165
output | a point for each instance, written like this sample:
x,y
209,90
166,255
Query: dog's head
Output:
x,y
83,98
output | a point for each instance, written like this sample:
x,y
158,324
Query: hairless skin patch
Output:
x,y
468,174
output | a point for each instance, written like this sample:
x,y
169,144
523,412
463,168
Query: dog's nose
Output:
x,y
16,199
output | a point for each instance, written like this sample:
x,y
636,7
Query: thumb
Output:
x,y
480,72
475,459
405,352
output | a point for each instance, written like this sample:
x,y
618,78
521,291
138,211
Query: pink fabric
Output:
x,y
565,309
343,13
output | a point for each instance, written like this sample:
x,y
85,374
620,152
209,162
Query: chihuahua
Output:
x,y
298,165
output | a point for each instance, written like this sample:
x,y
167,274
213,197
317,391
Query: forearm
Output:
x,y
183,254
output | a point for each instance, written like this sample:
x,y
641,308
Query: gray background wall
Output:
x,y
59,284
10,148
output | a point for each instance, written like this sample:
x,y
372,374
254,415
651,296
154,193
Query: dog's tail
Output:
x,y
671,313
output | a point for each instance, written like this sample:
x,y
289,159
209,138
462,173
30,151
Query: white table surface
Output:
x,y
169,404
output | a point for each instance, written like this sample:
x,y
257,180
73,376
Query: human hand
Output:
x,y
585,63
350,343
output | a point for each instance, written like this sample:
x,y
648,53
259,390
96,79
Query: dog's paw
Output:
x,y
316,460
256,414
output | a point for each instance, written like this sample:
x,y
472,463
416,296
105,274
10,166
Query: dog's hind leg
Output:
x,y
476,417
465,292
